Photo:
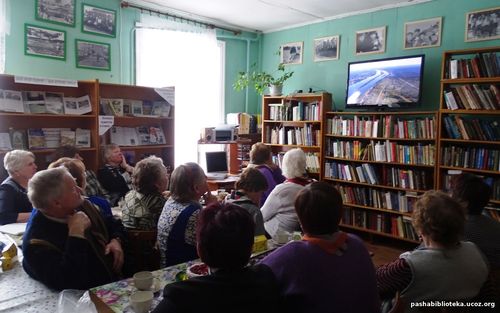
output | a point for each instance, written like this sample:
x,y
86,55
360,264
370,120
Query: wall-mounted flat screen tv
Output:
x,y
391,82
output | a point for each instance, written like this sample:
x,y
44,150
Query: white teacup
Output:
x,y
141,301
282,237
143,280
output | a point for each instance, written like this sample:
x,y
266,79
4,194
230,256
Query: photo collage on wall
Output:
x,y
48,42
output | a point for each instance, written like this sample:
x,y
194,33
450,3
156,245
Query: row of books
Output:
x,y
41,102
247,123
389,200
386,176
303,136
312,161
137,136
128,107
472,97
382,152
44,138
481,65
471,129
493,182
399,226
471,157
291,110
385,127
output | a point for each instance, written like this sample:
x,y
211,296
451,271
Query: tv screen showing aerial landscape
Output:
x,y
392,82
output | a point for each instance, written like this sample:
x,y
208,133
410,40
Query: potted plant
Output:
x,y
263,80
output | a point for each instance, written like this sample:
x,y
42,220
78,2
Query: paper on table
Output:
x,y
13,229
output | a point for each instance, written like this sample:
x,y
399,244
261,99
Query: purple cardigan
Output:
x,y
312,280
273,178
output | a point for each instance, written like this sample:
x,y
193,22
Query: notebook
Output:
x,y
216,165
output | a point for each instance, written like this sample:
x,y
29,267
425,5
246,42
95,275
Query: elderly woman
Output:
x,y
278,210
325,257
444,268
177,223
14,203
93,186
115,175
66,245
143,205
249,189
225,238
261,159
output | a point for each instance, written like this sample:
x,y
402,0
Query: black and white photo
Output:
x,y
370,41
291,53
98,21
483,25
93,55
56,11
44,42
326,48
423,33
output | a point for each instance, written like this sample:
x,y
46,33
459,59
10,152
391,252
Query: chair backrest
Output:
x,y
143,250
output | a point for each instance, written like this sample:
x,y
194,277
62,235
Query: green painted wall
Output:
x,y
331,75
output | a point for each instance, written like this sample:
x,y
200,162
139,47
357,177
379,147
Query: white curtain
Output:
x,y
4,30
180,55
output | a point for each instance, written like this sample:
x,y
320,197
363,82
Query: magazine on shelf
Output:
x,y
67,137
77,106
36,138
18,139
82,138
156,136
161,108
54,102
136,107
5,143
34,101
11,101
117,106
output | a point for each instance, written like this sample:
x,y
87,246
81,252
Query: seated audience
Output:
x,y
249,189
474,193
15,206
177,223
261,157
444,268
225,238
66,245
77,169
115,175
328,270
278,210
143,205
93,186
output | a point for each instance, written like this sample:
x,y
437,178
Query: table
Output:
x,y
227,183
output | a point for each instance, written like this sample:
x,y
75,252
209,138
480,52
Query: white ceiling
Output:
x,y
270,15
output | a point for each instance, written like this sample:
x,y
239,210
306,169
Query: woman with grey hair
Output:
x,y
115,174
177,224
279,210
14,203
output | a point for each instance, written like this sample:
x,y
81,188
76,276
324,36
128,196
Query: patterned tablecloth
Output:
x,y
116,295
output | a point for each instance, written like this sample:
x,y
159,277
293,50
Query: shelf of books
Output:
x,y
296,121
469,118
42,117
380,162
143,120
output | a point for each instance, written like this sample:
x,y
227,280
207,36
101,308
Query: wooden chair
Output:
x,y
142,251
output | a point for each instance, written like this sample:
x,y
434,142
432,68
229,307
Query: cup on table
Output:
x,y
282,237
143,280
141,301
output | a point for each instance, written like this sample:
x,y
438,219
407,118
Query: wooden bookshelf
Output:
x,y
469,139
350,143
309,109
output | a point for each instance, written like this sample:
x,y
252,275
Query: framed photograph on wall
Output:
x,y
423,33
291,53
93,55
326,48
44,42
482,25
56,11
370,41
98,21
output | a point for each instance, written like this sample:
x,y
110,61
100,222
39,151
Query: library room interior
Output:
x,y
245,156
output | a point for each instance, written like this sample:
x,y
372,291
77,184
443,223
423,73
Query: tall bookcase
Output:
x,y
469,117
25,121
95,90
296,121
380,162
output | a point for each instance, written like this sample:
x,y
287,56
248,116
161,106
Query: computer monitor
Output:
x,y
216,161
